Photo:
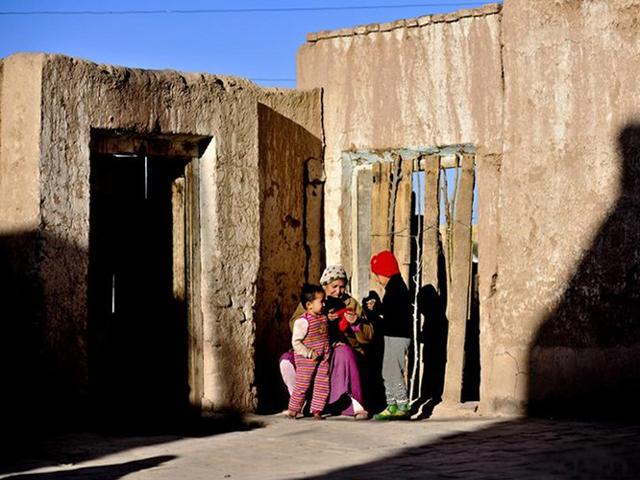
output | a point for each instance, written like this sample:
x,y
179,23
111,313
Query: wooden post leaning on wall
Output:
x,y
431,220
179,239
195,333
402,219
430,165
401,185
380,238
458,302
362,186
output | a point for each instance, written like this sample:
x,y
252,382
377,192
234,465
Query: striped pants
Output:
x,y
308,370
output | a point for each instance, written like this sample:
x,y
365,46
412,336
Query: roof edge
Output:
x,y
489,9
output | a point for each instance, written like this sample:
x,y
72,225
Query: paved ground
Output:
x,y
277,448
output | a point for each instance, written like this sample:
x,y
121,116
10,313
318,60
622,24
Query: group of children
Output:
x,y
312,349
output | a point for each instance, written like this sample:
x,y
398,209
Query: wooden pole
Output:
x,y
380,238
458,302
194,320
430,165
361,230
179,250
402,217
431,220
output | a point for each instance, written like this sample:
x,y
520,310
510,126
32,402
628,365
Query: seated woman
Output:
x,y
348,345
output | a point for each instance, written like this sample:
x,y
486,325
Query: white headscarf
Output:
x,y
333,273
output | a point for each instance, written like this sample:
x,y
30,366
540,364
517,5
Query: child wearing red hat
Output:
x,y
397,323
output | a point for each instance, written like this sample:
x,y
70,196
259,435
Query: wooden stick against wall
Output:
x,y
179,239
361,230
458,302
400,211
380,239
194,320
402,217
431,220
430,165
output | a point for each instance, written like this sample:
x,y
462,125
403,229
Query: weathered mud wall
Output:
x,y
286,149
431,81
20,128
21,328
565,326
558,202
78,97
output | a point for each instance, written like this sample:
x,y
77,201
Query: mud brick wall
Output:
x,y
426,82
547,92
77,97
565,326
430,81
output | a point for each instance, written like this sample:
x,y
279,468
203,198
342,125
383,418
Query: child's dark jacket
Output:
x,y
397,311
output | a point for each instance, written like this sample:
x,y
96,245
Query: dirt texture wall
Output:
x,y
431,81
20,128
287,151
565,327
20,335
548,93
79,97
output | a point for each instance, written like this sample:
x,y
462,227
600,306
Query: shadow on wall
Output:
x,y
432,341
432,305
290,242
59,354
50,372
26,368
585,359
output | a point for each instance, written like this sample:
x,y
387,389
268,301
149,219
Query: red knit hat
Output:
x,y
385,263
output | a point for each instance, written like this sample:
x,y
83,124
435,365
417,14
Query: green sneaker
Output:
x,y
402,412
388,413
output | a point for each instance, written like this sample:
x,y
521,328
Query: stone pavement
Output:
x,y
271,447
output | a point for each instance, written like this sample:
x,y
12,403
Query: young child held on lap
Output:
x,y
310,341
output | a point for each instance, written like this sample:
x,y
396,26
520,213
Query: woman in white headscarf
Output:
x,y
348,345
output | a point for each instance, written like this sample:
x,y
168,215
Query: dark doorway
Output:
x,y
138,328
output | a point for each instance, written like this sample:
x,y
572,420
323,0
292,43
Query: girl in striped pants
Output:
x,y
310,342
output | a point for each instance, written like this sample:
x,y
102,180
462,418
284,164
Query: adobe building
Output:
x,y
156,226
149,219
546,95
